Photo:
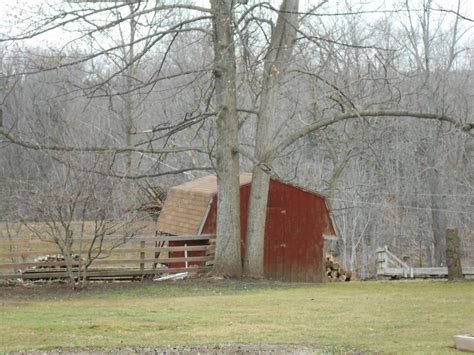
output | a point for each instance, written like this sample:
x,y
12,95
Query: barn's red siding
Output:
x,y
296,222
181,254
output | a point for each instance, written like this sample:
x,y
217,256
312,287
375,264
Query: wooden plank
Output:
x,y
33,264
468,270
153,260
49,269
172,238
25,242
112,239
142,255
109,262
422,271
162,238
430,271
396,258
106,273
33,276
28,253
122,248
118,250
150,249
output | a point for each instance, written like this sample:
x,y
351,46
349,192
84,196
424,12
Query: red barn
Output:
x,y
297,223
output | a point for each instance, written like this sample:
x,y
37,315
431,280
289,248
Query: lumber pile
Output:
x,y
334,270
50,264
59,258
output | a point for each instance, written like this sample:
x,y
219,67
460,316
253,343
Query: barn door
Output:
x,y
275,244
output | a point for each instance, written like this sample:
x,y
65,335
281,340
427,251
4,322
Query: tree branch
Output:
x,y
93,149
465,127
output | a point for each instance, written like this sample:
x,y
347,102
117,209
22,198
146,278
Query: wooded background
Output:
x,y
126,99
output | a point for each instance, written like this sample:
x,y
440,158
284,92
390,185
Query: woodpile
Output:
x,y
50,264
59,258
334,270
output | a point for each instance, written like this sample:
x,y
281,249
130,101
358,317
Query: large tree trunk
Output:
x,y
438,214
453,255
276,62
228,258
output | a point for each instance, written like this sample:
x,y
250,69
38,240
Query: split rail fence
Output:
x,y
138,257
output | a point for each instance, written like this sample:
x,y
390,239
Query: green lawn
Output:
x,y
368,316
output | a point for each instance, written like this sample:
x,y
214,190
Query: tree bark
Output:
x,y
453,259
438,207
276,62
129,118
228,257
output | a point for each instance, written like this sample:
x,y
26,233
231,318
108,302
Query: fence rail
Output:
x,y
138,256
119,250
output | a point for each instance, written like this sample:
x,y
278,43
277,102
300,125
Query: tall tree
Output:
x,y
276,63
228,258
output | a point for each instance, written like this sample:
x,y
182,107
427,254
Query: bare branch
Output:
x,y
93,149
377,114
457,13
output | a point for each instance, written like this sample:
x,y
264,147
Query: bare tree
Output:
x,y
77,219
276,62
228,258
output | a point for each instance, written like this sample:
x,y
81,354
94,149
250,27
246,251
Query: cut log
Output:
x,y
334,270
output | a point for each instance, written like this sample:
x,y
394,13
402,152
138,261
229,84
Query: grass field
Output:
x,y
367,316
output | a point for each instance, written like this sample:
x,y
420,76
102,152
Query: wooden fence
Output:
x,y
389,265
139,256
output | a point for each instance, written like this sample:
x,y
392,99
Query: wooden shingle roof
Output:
x,y
186,206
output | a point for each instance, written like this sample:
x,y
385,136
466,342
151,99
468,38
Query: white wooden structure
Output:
x,y
389,265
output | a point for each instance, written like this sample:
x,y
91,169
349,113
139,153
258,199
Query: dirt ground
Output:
x,y
27,290
204,349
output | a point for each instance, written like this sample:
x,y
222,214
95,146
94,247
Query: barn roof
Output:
x,y
186,206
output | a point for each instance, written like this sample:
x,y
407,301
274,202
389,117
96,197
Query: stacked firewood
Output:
x,y
54,258
334,270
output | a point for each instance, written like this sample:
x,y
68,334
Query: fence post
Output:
x,y
380,258
186,265
142,254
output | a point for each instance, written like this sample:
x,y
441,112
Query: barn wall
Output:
x,y
294,234
296,221
191,253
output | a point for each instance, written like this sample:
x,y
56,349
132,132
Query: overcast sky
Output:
x,y
12,9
